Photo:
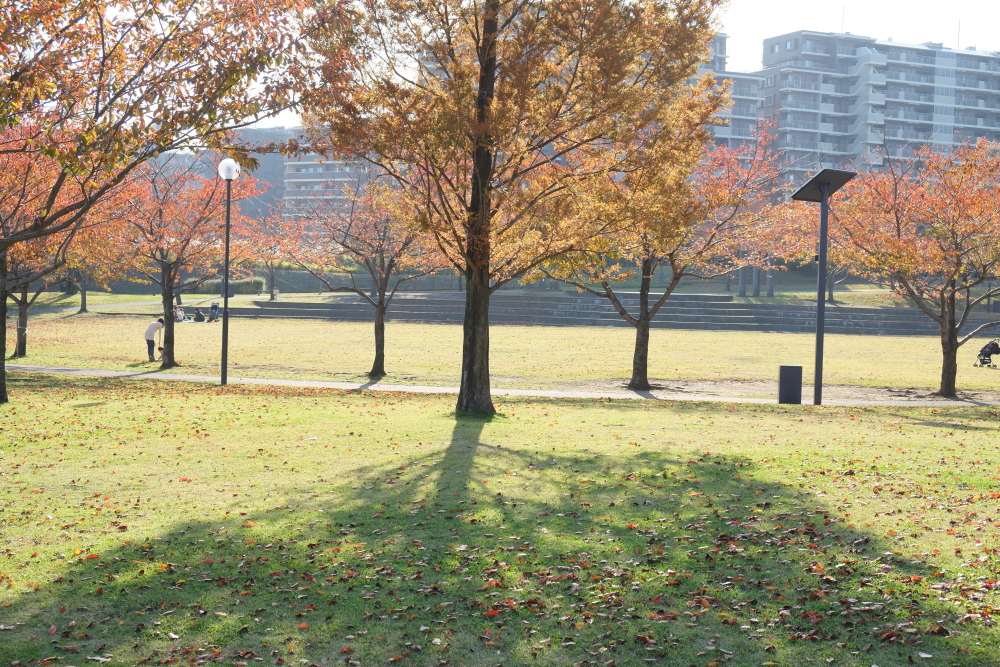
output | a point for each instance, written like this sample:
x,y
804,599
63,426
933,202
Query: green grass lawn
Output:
x,y
527,357
150,523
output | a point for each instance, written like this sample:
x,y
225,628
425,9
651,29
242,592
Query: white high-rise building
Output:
x,y
741,118
311,179
841,99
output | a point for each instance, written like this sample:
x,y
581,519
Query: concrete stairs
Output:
x,y
682,311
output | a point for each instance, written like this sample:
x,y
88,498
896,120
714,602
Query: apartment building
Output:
x,y
842,99
740,119
300,182
270,171
312,180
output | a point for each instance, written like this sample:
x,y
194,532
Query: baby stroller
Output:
x,y
985,359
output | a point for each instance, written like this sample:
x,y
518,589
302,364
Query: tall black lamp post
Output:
x,y
229,170
818,189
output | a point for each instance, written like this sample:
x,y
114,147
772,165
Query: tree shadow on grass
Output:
x,y
577,558
35,381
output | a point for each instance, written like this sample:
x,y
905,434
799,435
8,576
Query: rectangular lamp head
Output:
x,y
836,178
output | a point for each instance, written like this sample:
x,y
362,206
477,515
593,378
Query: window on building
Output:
x,y
769,100
789,45
775,47
769,81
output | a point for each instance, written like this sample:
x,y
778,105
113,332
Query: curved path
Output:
x,y
427,389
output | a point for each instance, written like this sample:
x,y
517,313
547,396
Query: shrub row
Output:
x,y
248,286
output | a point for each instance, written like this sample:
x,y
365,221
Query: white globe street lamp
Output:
x,y
229,170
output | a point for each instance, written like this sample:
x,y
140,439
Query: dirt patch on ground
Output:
x,y
769,390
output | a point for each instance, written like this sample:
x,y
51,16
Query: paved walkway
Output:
x,y
427,389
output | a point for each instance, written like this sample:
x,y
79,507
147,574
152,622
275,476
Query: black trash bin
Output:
x,y
790,385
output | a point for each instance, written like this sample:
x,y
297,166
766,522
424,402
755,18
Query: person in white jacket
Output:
x,y
153,337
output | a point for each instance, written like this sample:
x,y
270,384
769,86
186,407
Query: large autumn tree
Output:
x,y
175,211
494,116
366,231
701,221
24,181
926,226
99,87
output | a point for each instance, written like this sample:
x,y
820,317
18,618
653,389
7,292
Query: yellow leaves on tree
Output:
x,y
496,118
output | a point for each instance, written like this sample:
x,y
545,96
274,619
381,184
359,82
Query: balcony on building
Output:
x,y
909,57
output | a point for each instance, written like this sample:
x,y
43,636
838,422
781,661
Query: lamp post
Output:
x,y
818,189
229,170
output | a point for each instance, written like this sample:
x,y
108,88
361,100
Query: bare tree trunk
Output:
x,y
770,283
829,289
742,275
4,398
949,364
178,297
756,281
21,342
167,298
270,280
84,280
640,355
949,349
378,366
474,392
729,282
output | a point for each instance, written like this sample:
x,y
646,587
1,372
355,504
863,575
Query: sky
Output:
x,y
748,22
955,23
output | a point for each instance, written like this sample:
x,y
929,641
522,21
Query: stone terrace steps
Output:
x,y
682,311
